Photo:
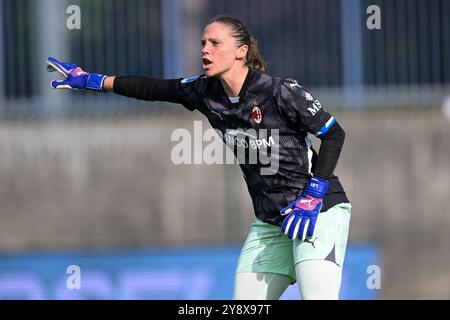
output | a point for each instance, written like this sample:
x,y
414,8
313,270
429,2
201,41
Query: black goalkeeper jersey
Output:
x,y
273,117
268,103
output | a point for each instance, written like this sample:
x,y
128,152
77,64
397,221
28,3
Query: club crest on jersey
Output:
x,y
256,113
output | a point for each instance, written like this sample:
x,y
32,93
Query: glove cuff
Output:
x,y
95,81
316,187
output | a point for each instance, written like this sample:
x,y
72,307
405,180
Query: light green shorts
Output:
x,y
267,249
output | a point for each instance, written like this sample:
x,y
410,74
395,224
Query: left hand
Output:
x,y
302,213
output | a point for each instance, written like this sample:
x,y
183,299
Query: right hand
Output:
x,y
76,78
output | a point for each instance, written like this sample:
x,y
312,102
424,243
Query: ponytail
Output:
x,y
254,58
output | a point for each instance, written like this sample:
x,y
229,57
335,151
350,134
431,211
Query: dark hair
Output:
x,y
243,37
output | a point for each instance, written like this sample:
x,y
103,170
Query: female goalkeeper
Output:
x,y
302,212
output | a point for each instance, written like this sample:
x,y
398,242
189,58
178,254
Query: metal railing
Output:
x,y
325,44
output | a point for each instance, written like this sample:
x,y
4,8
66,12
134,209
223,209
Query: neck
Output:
x,y
233,81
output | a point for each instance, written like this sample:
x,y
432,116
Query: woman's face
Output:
x,y
219,50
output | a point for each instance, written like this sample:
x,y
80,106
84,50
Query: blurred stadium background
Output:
x,y
87,179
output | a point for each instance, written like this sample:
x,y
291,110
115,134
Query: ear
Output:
x,y
242,52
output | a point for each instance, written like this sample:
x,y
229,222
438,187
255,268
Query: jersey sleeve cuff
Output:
x,y
326,127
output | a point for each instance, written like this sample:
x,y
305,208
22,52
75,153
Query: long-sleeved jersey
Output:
x,y
267,127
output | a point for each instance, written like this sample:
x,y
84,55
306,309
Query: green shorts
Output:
x,y
267,249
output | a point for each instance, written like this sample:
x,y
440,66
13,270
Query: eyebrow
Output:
x,y
209,39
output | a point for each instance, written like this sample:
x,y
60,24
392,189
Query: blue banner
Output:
x,y
180,273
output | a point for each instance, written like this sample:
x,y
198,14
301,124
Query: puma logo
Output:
x,y
295,84
217,114
312,242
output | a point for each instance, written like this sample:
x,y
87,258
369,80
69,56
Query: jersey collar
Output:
x,y
247,82
243,93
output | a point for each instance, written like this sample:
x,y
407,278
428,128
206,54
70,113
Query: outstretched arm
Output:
x,y
108,85
147,88
142,88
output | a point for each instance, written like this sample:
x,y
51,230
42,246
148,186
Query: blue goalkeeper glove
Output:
x,y
76,78
302,213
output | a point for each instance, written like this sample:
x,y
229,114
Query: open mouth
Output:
x,y
206,62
